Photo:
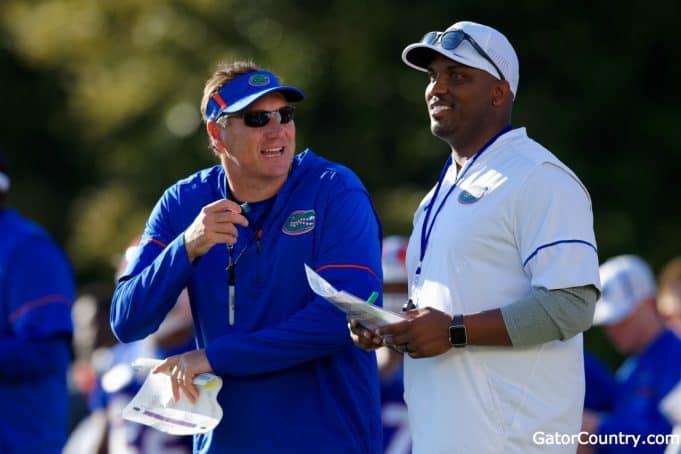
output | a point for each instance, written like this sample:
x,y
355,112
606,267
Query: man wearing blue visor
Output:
x,y
237,236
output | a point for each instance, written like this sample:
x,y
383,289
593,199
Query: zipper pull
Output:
x,y
258,235
230,282
230,250
231,305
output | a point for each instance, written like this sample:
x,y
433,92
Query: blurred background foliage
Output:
x,y
100,104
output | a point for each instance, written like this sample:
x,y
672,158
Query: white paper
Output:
x,y
370,316
153,405
670,405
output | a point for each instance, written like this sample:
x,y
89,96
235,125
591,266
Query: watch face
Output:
x,y
457,332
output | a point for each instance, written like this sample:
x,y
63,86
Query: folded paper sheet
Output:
x,y
370,316
153,405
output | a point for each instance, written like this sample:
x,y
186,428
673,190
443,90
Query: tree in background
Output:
x,y
100,103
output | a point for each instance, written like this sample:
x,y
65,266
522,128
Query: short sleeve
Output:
x,y
554,230
41,290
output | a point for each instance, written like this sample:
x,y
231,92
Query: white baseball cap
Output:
x,y
491,42
627,281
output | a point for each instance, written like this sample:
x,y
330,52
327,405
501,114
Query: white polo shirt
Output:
x,y
519,218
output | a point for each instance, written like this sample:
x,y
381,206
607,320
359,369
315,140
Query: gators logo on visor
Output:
x,y
259,80
299,222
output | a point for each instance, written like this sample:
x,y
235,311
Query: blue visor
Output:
x,y
245,90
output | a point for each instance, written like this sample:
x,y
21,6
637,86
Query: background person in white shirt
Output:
x,y
502,262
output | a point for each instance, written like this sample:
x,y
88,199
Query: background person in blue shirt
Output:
x,y
237,235
36,293
396,434
627,308
116,383
600,384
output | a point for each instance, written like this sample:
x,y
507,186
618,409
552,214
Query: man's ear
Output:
x,y
213,130
500,91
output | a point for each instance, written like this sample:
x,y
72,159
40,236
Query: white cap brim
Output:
x,y
419,56
291,94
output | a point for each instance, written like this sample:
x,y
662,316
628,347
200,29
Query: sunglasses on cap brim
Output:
x,y
260,118
452,39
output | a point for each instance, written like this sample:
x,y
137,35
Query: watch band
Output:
x,y
457,332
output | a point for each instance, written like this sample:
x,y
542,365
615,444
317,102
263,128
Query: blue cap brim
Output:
x,y
244,90
291,94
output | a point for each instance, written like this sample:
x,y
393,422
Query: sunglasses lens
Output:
x,y
256,118
260,118
451,40
430,37
285,114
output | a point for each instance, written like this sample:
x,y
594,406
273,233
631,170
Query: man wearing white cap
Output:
x,y
237,235
627,309
502,266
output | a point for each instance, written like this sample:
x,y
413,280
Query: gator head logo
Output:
x,y
259,80
472,195
299,222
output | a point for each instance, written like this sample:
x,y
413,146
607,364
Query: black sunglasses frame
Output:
x,y
261,118
450,40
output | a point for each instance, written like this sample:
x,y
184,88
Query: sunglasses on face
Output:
x,y
260,118
452,39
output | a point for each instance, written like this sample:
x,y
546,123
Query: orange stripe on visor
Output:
x,y
218,99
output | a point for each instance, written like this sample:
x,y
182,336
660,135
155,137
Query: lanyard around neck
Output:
x,y
427,229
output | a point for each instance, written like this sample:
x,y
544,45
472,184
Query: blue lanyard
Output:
x,y
426,230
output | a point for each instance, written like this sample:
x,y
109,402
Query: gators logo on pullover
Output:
x,y
299,222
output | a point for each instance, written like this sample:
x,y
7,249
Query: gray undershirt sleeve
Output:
x,y
547,315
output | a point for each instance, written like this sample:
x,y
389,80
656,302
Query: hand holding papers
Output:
x,y
153,405
370,316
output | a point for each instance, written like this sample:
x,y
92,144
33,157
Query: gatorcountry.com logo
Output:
x,y
299,222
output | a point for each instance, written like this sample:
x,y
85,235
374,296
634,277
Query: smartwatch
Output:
x,y
457,332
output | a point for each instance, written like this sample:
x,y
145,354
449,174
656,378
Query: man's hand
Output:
x,y
182,370
365,339
216,223
425,334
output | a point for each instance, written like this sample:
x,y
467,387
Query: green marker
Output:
x,y
372,298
